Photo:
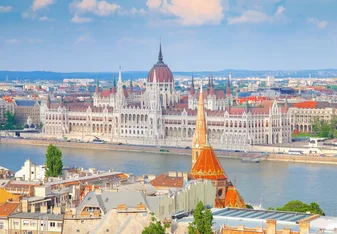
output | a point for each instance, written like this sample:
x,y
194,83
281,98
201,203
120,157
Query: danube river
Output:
x,y
276,182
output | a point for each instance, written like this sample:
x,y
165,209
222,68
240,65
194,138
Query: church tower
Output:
x,y
199,137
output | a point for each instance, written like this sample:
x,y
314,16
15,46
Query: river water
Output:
x,y
276,182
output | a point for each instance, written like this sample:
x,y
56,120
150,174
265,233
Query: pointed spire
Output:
x,y
97,86
199,138
160,56
192,91
120,74
228,89
131,86
211,91
113,90
209,82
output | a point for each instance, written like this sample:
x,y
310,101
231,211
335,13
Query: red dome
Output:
x,y
163,72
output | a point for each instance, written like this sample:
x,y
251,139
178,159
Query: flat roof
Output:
x,y
36,216
261,214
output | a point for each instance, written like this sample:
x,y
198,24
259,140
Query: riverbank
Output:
x,y
170,150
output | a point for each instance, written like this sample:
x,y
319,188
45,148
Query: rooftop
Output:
x,y
245,214
53,217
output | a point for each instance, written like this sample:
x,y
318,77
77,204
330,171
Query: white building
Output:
x,y
159,117
31,172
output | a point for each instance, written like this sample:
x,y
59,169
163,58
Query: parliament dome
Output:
x,y
163,72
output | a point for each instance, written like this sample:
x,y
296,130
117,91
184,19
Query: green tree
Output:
x,y
155,227
54,163
10,121
249,206
298,206
203,220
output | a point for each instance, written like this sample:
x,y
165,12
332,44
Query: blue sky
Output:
x,y
197,35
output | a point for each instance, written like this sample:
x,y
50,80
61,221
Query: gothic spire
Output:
x,y
228,89
192,92
97,86
160,56
199,138
120,74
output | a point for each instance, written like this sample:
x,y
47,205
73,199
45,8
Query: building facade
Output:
x,y
27,108
151,117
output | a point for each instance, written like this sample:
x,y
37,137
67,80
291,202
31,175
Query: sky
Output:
x,y
196,35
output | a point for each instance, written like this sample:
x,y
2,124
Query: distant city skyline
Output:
x,y
196,35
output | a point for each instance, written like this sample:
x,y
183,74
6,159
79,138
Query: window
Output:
x,y
2,225
25,223
33,223
52,224
59,225
16,222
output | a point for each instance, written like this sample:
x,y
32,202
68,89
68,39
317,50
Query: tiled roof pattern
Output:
x,y
233,198
163,73
7,209
208,166
164,180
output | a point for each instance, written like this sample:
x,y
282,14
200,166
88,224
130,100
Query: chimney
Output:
x,y
271,226
304,227
286,231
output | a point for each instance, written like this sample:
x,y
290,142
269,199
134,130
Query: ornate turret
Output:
x,y
199,137
192,91
209,83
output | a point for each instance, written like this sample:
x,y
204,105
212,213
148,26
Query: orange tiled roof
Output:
x,y
164,180
208,166
306,105
8,208
233,198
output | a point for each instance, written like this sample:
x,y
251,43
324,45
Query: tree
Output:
x,y
10,121
325,129
203,220
249,206
298,206
54,163
155,227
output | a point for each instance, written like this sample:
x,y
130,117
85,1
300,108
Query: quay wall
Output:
x,y
147,149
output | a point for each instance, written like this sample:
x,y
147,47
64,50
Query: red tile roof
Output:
x,y
208,166
7,209
166,181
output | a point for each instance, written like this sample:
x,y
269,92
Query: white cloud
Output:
x,y
153,3
34,41
45,18
4,9
84,38
100,8
12,41
39,4
280,10
250,16
191,12
132,11
80,20
319,23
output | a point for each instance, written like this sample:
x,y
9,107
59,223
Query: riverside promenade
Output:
x,y
171,150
